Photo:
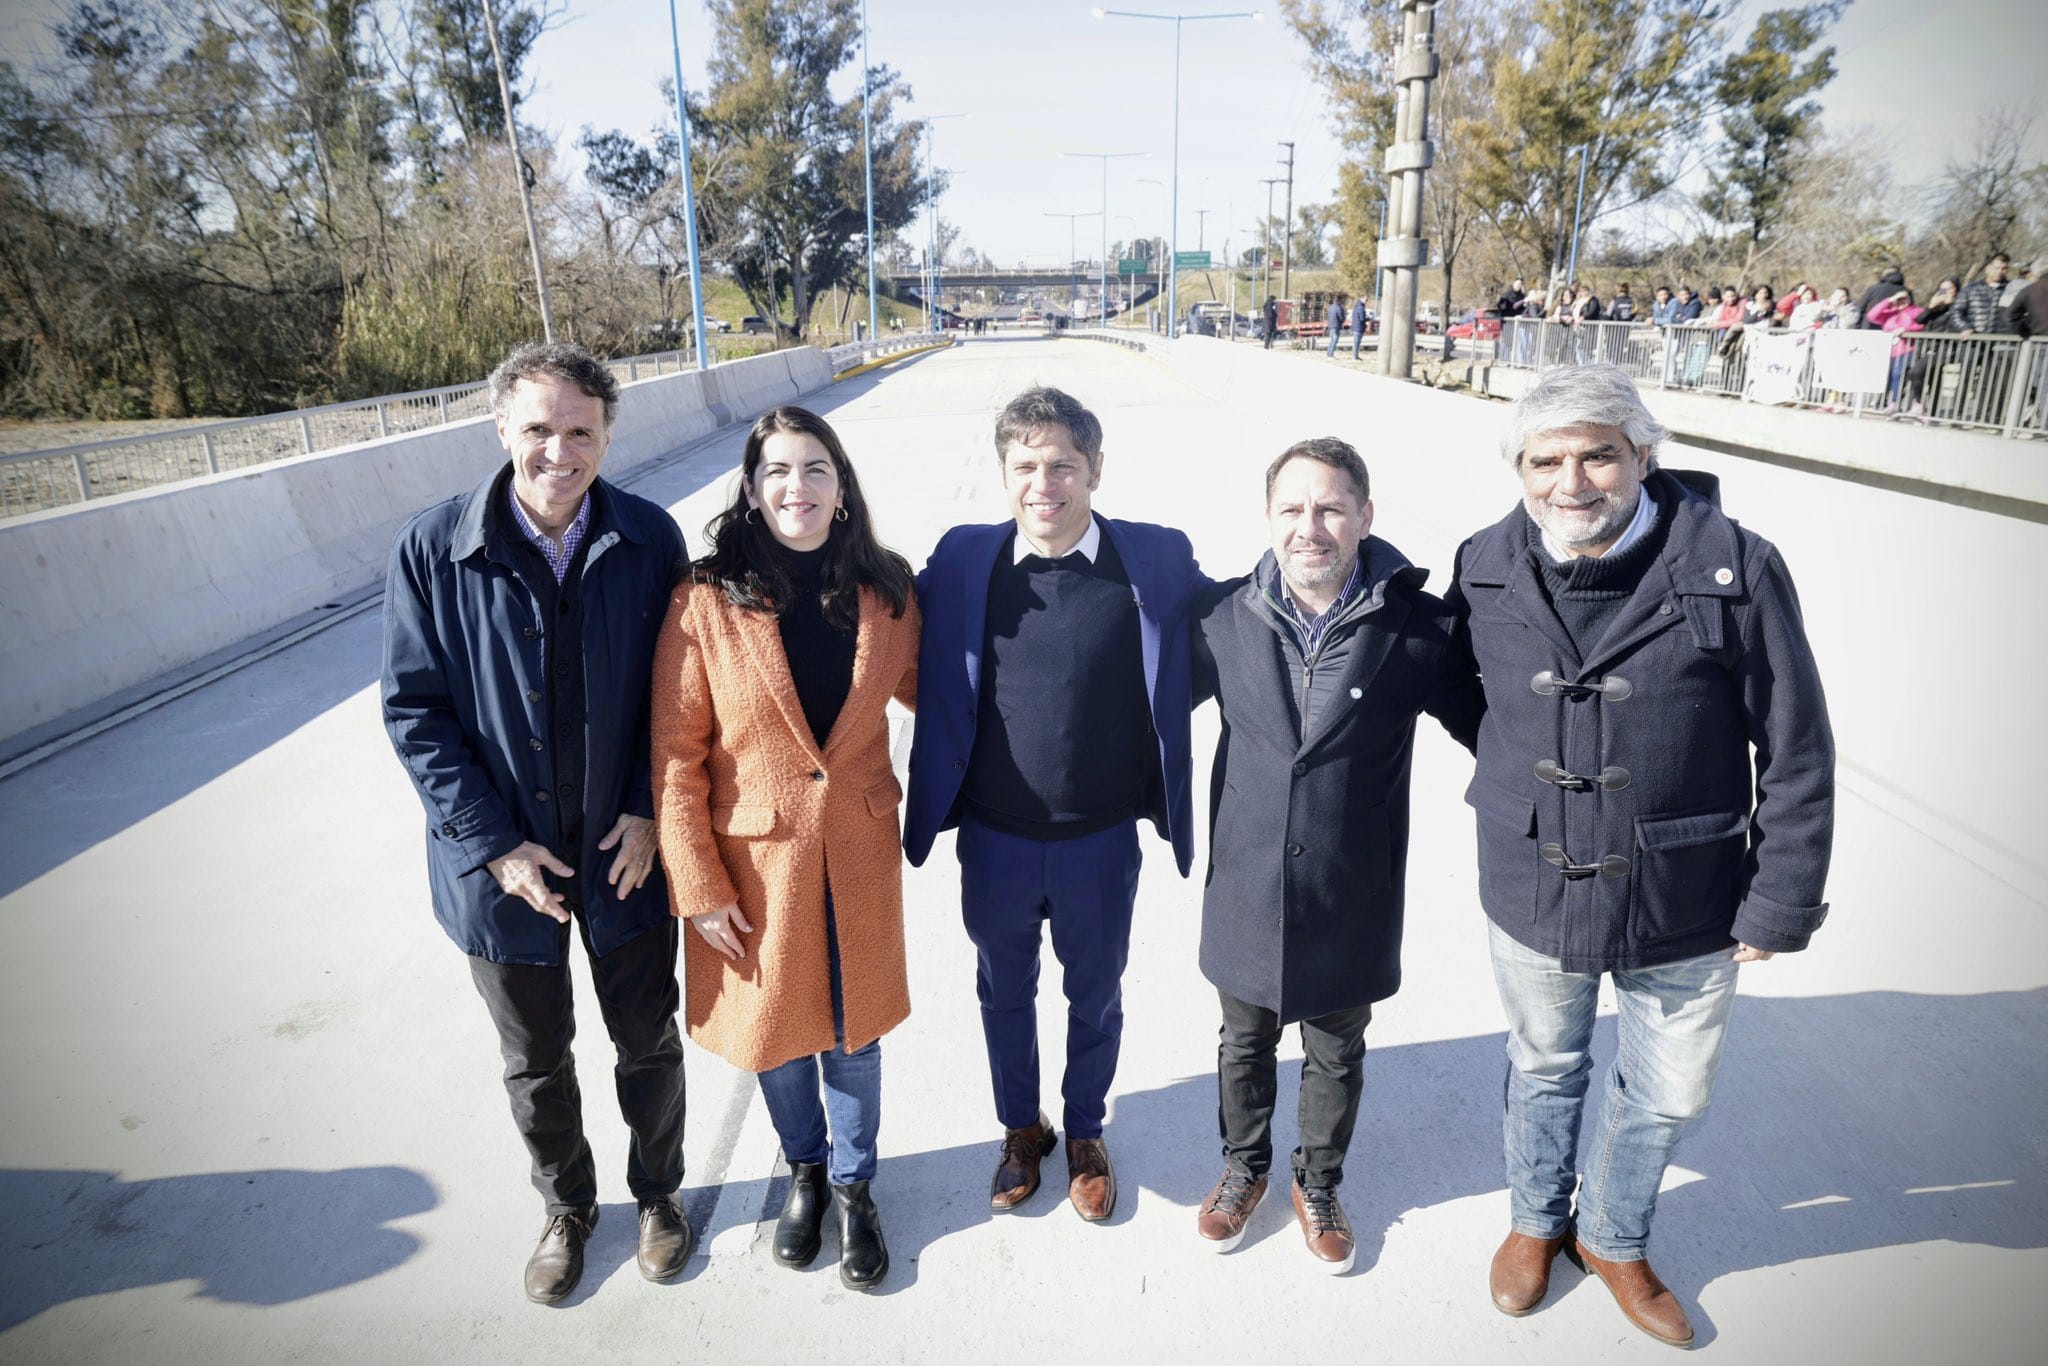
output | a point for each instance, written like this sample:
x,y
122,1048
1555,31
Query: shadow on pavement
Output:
x,y
253,1237
1840,1124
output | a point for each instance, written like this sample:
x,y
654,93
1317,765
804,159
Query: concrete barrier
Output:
x,y
104,599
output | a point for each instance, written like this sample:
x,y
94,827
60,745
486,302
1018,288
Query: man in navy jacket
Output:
x,y
1052,713
519,628
1655,795
1320,661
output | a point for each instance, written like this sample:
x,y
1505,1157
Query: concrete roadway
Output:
x,y
252,1109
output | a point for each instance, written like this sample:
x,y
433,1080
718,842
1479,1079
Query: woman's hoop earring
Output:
x,y
839,514
750,519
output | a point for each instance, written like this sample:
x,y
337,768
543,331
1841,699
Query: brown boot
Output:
x,y
1091,1181
1520,1277
1017,1173
1643,1298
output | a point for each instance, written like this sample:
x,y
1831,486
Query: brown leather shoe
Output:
x,y
1229,1208
1325,1228
666,1238
1643,1298
1017,1173
1091,1181
1520,1277
557,1263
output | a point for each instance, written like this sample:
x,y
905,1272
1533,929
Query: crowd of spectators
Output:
x,y
1997,301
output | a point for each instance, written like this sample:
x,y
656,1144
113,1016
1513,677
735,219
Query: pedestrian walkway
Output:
x,y
252,1110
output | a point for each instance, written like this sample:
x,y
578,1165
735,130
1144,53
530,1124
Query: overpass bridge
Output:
x,y
252,1109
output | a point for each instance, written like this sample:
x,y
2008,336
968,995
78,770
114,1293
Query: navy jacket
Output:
x,y
466,669
1670,791
953,591
1308,843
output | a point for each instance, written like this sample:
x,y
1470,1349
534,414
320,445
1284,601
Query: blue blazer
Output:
x,y
953,592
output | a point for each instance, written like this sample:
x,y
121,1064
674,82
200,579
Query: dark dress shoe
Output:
x,y
1017,1172
797,1232
557,1263
1520,1276
1643,1298
1091,1181
863,1256
666,1238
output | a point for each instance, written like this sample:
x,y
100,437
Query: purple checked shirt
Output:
x,y
558,554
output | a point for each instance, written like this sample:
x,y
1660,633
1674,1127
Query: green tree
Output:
x,y
780,178
1625,79
1764,91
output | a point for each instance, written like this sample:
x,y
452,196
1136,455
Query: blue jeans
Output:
x,y
849,1114
1671,1022
1333,341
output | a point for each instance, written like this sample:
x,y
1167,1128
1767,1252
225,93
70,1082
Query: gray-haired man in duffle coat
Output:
x,y
1320,660
1655,797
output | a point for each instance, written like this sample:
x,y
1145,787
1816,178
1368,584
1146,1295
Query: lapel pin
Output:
x,y
1357,693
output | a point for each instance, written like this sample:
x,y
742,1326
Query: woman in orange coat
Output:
x,y
777,812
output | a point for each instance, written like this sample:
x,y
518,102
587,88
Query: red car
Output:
x,y
1478,324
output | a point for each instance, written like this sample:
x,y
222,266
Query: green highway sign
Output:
x,y
1133,266
1191,260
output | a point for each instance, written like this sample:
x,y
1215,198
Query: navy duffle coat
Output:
x,y
1670,790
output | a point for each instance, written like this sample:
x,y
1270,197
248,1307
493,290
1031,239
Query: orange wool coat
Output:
x,y
750,811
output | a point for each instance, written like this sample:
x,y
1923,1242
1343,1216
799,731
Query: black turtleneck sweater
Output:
x,y
820,654
1588,592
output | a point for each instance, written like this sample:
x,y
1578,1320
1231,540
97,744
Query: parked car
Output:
x,y
717,325
754,326
1478,324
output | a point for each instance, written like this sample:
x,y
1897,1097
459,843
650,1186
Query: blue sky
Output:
x,y
1041,78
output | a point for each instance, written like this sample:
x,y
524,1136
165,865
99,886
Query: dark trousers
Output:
x,y
1084,887
1332,1079
638,995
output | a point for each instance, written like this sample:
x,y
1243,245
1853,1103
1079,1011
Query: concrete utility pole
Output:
x,y
1287,231
1405,251
540,273
1201,229
1266,233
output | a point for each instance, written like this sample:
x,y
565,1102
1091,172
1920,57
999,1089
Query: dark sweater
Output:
x,y
820,654
1063,740
1588,592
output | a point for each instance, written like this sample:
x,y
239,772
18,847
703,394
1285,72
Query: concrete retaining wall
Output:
x,y
104,597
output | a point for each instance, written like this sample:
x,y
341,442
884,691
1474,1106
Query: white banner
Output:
x,y
1774,364
1851,360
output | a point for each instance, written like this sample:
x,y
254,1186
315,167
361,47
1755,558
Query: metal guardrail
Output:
x,y
1988,383
32,481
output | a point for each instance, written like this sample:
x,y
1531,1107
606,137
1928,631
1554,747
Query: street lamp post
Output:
x,y
1173,224
867,156
931,204
1266,233
1073,281
690,195
1571,274
1102,268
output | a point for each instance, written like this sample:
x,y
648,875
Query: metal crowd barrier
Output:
x,y
1990,383
32,481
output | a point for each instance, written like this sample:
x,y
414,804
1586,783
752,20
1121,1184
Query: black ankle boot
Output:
x,y
803,1215
863,1257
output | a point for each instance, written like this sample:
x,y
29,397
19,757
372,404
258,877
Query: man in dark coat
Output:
x,y
519,628
1655,797
1052,715
1319,660
1888,284
1269,318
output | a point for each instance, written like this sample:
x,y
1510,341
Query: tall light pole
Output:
x,y
1571,274
931,204
1102,272
540,273
1266,233
1173,224
867,156
1131,289
689,192
1073,281
1287,230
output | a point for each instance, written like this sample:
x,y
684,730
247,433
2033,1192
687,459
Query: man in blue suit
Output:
x,y
1053,700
